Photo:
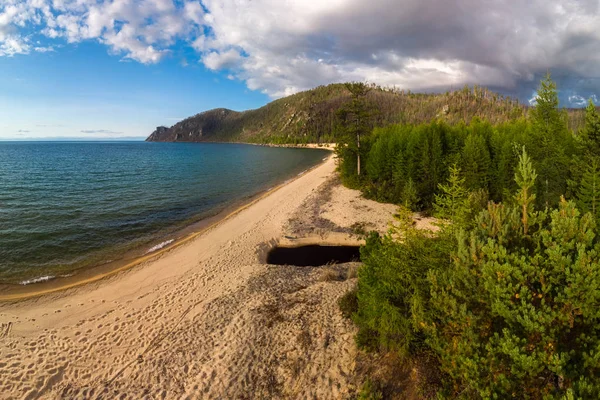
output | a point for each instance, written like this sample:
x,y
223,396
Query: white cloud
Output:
x,y
193,11
12,45
141,30
225,60
415,44
48,49
280,47
106,131
533,99
577,100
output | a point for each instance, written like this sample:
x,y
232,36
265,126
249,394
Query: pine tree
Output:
x,y
452,203
550,144
355,122
589,189
525,177
428,159
410,197
475,162
591,131
517,314
393,292
546,116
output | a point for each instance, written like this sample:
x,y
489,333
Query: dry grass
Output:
x,y
339,272
401,378
331,275
352,272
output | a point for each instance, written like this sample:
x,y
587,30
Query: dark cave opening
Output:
x,y
313,255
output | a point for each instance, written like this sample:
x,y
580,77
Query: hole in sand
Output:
x,y
313,255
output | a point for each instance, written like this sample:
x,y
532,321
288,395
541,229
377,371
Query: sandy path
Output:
x,y
205,320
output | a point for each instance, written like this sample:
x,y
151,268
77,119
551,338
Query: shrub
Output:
x,y
370,391
518,315
392,285
348,303
509,304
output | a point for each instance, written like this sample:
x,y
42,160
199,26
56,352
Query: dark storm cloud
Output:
x,y
420,45
281,47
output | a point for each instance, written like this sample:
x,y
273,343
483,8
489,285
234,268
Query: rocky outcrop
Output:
x,y
158,133
210,125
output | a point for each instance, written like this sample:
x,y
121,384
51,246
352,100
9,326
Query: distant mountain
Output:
x,y
310,116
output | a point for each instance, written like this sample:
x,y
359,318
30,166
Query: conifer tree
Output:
x,y
525,177
428,158
517,314
475,162
410,197
393,292
591,131
452,203
589,189
550,144
546,116
355,121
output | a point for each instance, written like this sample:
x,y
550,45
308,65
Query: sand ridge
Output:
x,y
203,320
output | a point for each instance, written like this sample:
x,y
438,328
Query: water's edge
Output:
x,y
49,284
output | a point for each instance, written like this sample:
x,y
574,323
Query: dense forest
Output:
x,y
504,300
407,163
313,116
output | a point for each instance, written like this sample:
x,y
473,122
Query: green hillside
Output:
x,y
311,116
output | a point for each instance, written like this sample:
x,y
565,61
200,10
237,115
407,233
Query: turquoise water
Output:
x,y
71,205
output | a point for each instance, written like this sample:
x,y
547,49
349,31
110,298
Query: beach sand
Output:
x,y
206,319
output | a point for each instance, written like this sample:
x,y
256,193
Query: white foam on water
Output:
x,y
160,246
37,280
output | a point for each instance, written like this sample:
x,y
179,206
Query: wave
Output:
x,y
160,246
37,280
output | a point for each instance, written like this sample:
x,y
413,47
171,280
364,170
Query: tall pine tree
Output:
x,y
546,116
356,124
453,202
550,144
475,162
589,189
591,131
525,177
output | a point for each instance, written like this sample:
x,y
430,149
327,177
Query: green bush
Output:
x,y
518,315
393,292
509,303
348,303
370,391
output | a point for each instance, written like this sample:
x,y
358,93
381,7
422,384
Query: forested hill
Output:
x,y
311,116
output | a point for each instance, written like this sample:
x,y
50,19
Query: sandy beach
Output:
x,y
207,318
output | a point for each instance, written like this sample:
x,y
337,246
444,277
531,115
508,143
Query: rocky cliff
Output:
x,y
212,125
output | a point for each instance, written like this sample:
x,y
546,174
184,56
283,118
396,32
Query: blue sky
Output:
x,y
82,91
119,68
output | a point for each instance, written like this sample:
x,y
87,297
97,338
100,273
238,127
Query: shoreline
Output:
x,y
41,286
321,146
208,319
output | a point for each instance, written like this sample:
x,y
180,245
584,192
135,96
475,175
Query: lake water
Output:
x,y
71,205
